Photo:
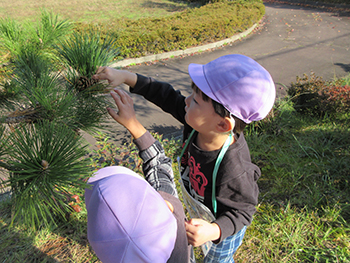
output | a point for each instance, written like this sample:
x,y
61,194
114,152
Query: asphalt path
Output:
x,y
291,40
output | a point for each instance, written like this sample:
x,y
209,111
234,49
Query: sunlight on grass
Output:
x,y
89,10
286,234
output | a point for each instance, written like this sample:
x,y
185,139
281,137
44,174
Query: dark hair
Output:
x,y
221,110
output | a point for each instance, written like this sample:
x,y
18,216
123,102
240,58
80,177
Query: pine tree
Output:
x,y
47,96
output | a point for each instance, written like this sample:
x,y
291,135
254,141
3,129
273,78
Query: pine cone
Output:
x,y
83,83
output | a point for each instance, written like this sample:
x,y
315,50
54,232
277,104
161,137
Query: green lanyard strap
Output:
x,y
186,144
217,164
216,168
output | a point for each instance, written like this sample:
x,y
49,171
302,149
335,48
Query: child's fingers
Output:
x,y
99,73
124,96
190,228
125,105
113,114
121,94
190,233
116,99
100,70
195,221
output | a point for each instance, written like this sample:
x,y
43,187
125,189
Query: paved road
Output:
x,y
290,41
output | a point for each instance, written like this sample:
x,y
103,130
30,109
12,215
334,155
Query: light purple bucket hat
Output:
x,y
237,82
128,221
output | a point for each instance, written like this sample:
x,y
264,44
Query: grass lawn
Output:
x,y
90,11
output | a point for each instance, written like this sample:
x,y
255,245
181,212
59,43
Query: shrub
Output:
x,y
314,96
211,22
336,98
191,27
305,95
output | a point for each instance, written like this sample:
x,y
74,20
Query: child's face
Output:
x,y
200,114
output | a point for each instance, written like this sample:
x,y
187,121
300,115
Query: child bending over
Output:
x,y
131,219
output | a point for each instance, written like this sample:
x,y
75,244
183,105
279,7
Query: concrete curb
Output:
x,y
171,54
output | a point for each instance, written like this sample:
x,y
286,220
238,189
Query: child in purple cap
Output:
x,y
216,169
131,219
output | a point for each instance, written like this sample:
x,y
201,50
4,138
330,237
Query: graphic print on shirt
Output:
x,y
197,178
193,179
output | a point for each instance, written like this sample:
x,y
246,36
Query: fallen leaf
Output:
x,y
77,199
77,208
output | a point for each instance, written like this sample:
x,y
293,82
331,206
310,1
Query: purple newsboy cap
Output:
x,y
237,82
128,221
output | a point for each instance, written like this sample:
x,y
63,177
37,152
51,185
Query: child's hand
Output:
x,y
200,231
116,77
126,115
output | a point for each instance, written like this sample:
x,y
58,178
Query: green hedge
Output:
x,y
192,27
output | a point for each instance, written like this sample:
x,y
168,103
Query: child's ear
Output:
x,y
225,125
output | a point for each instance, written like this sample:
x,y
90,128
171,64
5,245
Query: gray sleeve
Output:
x,y
157,168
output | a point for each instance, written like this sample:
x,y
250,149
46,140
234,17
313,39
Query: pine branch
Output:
x,y
29,115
